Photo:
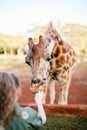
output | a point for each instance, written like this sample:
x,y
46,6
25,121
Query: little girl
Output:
x,y
12,115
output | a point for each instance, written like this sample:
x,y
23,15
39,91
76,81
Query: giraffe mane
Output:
x,y
53,34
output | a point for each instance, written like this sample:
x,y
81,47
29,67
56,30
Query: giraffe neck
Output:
x,y
51,38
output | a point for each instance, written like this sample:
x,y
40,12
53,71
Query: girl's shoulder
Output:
x,y
23,118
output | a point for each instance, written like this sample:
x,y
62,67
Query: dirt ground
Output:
x,y
77,91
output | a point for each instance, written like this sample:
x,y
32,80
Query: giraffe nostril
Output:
x,y
44,79
33,81
37,81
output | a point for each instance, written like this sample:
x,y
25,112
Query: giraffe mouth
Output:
x,y
34,88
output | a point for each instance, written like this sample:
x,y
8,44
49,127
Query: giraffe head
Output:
x,y
39,61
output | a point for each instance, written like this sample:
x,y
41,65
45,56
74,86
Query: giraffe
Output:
x,y
54,62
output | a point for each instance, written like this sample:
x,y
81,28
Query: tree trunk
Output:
x,y
5,52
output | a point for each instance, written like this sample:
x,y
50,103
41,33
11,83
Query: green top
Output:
x,y
25,119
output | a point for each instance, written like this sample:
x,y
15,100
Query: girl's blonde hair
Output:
x,y
8,96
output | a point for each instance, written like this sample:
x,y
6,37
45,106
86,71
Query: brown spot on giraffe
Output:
x,y
64,49
62,60
61,42
71,53
67,57
51,65
56,52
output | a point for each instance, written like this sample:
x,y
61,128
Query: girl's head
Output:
x,y
17,84
8,95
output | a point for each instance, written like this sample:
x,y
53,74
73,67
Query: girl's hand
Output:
x,y
39,97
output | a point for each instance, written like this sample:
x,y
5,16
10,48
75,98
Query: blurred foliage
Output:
x,y
74,34
12,44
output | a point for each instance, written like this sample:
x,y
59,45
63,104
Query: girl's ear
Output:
x,y
18,92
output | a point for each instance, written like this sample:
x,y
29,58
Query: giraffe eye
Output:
x,y
49,58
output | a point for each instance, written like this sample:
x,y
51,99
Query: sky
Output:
x,y
19,15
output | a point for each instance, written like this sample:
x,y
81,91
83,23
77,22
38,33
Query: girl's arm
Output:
x,y
38,100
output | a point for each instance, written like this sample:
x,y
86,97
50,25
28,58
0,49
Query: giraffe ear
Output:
x,y
26,49
49,47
